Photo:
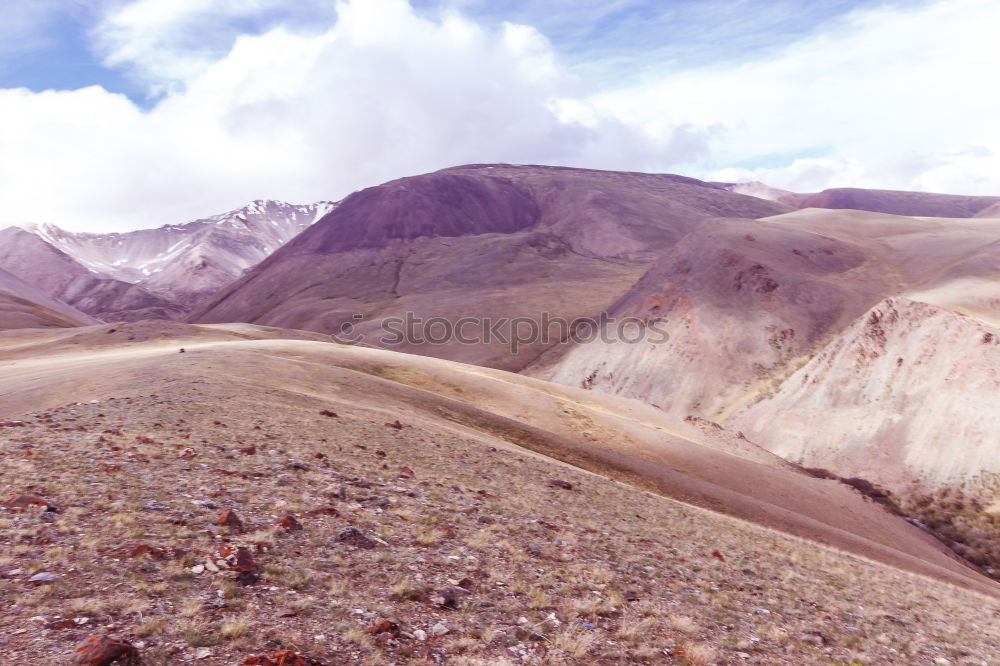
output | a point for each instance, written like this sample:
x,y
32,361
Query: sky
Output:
x,y
124,114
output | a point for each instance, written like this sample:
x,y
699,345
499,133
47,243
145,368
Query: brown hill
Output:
x,y
904,397
60,276
482,241
897,202
23,306
746,302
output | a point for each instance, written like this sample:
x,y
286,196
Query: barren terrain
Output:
x,y
475,543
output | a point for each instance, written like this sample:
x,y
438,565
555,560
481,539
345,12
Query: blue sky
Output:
x,y
118,114
51,44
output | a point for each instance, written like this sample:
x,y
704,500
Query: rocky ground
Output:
x,y
209,527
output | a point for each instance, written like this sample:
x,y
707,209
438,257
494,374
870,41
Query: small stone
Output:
x,y
101,650
289,522
558,483
444,598
203,653
354,537
43,577
230,521
420,635
25,502
198,568
440,629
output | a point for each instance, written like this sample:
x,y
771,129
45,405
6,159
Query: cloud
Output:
x,y
253,100
25,25
892,97
297,115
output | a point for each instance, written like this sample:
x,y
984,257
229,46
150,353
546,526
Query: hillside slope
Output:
x,y
898,202
184,263
449,477
905,396
485,241
60,276
747,302
24,306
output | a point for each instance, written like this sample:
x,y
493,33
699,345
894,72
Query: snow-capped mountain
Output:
x,y
59,276
185,263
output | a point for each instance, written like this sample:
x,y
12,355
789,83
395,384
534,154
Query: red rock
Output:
x,y
406,473
156,552
383,626
101,650
558,483
236,559
280,658
328,413
25,502
395,424
247,450
289,522
230,520
717,555
65,623
323,510
188,453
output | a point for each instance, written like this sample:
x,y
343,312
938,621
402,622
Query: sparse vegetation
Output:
x,y
454,564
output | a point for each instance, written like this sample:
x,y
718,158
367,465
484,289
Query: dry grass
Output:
x,y
601,574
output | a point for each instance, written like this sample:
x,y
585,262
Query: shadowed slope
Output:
x,y
59,275
896,202
24,306
483,241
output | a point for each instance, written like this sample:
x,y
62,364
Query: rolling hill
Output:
x,y
486,241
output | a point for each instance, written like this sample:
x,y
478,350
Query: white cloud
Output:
x,y
897,97
297,116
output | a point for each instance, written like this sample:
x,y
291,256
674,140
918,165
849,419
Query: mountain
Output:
x,y
906,396
765,191
60,276
894,202
483,241
745,303
184,263
992,210
24,306
898,202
